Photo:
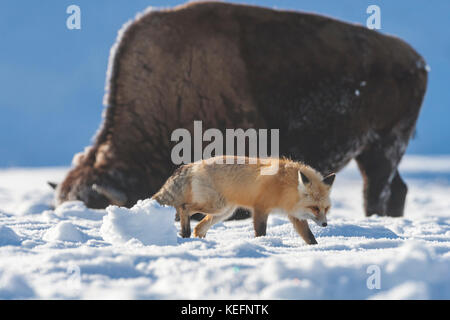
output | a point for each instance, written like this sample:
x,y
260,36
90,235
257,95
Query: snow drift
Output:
x,y
147,222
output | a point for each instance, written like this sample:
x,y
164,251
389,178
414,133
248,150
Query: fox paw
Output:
x,y
198,233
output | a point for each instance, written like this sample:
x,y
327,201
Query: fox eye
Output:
x,y
315,209
326,209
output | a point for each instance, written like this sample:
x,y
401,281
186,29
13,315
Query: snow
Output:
x,y
65,231
118,253
8,237
147,222
14,286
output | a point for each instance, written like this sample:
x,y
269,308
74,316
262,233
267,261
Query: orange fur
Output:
x,y
217,189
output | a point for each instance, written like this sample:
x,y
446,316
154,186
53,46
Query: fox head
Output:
x,y
314,197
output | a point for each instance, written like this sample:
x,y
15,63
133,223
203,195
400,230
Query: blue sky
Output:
x,y
52,79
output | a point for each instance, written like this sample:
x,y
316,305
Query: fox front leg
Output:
x,y
302,228
260,223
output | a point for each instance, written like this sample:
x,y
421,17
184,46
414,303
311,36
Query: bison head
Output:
x,y
96,183
96,188
101,176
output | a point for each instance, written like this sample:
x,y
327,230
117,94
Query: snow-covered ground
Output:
x,y
74,252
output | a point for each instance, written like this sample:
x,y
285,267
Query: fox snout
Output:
x,y
321,221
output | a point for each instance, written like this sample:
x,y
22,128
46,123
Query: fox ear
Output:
x,y
302,180
52,185
329,179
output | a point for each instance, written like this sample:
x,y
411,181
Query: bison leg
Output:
x,y
240,214
384,190
195,216
396,203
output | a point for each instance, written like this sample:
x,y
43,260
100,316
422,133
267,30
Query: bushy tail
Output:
x,y
172,193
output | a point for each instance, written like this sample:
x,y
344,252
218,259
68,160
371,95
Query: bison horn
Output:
x,y
116,197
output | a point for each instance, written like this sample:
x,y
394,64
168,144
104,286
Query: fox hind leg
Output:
x,y
207,222
185,212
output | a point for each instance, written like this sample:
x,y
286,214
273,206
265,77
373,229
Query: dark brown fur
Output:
x,y
236,66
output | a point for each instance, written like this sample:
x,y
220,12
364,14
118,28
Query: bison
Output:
x,y
336,91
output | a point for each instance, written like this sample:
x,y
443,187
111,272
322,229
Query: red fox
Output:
x,y
216,188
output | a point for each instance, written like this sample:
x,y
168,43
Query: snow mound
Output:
x,y
147,222
14,286
65,231
8,237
